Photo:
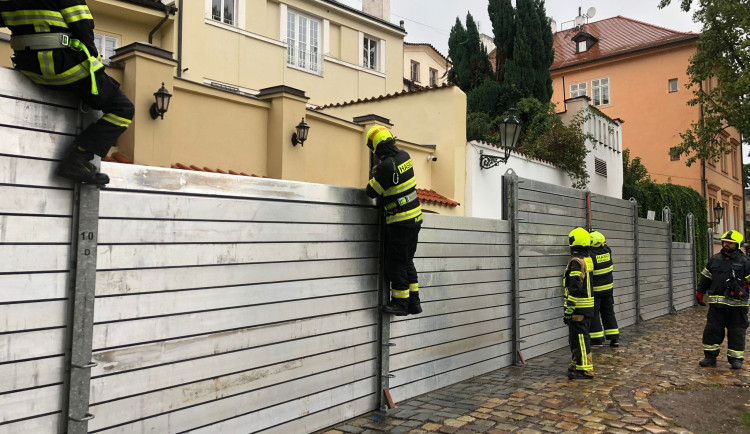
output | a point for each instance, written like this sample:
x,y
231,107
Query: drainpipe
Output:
x,y
179,39
167,10
704,181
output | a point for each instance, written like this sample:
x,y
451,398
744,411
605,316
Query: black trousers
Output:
x,y
604,312
100,136
734,319
400,247
578,337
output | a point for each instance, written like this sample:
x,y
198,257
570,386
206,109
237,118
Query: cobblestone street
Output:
x,y
658,355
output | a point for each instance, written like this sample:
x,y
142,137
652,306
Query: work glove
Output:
x,y
373,171
568,315
699,297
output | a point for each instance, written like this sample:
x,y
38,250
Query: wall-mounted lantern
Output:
x,y
162,97
510,130
301,135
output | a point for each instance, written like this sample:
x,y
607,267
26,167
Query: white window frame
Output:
x,y
414,72
221,18
101,40
433,77
304,42
370,53
670,87
578,89
599,88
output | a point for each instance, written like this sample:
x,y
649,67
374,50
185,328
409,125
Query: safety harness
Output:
x,y
55,41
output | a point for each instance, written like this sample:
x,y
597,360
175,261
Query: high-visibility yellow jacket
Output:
x,y
577,283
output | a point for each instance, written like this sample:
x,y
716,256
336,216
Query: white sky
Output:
x,y
430,21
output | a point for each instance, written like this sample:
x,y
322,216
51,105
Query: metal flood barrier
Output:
x,y
176,301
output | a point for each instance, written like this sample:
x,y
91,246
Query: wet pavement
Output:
x,y
659,355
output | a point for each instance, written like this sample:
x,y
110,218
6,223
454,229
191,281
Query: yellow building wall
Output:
x,y
427,59
254,57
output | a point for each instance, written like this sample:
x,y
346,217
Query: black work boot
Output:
x,y
580,375
414,306
735,363
597,342
707,362
614,342
397,306
76,166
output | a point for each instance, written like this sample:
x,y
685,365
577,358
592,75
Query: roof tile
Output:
x,y
430,196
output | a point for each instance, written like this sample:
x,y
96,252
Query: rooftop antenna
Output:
x,y
591,12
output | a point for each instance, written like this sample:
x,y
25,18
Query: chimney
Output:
x,y
377,8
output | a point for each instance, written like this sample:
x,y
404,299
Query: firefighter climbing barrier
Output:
x,y
225,303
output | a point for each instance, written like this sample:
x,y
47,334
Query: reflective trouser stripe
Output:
x,y
76,13
595,335
46,63
735,354
400,293
72,75
612,332
414,287
116,120
585,365
604,287
710,347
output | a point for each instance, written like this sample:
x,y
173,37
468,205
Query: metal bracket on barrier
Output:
x,y
390,376
389,344
88,416
89,365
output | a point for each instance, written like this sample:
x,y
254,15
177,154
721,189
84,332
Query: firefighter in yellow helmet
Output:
x,y
394,183
725,279
579,304
53,45
602,284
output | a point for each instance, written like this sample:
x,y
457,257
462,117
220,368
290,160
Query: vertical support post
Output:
x,y
666,216
588,211
384,335
693,254
85,232
636,258
512,198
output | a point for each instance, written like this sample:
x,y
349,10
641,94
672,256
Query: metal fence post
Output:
x,y
693,253
666,216
84,241
637,279
512,196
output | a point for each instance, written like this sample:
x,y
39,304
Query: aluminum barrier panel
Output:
x,y
653,251
464,330
228,304
614,219
36,209
547,214
684,275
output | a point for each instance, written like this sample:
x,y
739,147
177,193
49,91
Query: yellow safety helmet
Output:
x,y
597,239
377,134
733,237
579,237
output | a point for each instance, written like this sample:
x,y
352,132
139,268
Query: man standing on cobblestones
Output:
x,y
604,301
725,278
579,304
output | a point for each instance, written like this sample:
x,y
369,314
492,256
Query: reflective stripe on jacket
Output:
x,y
602,279
577,283
395,183
724,274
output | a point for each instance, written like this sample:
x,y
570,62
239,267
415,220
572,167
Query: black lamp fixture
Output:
x,y
718,214
510,130
301,135
162,97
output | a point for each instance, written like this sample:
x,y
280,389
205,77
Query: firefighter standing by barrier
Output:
x,y
579,304
53,45
604,301
394,182
725,278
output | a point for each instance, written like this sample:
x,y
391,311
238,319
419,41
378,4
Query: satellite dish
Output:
x,y
591,12
579,21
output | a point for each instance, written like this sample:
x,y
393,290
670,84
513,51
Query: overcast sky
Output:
x,y
430,21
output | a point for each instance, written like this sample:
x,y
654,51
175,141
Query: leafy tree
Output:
x,y
746,175
723,54
502,16
633,172
488,97
471,66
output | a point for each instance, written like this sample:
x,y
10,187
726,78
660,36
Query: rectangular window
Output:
x,y
724,163
106,46
370,53
736,215
581,46
433,77
578,90
672,156
735,163
600,167
303,42
600,91
414,71
223,11
673,85
725,220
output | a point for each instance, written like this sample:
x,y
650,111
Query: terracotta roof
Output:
x,y
383,97
208,169
616,36
430,196
117,157
424,44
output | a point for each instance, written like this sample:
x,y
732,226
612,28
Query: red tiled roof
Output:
x,y
208,169
117,157
424,44
616,36
388,96
430,196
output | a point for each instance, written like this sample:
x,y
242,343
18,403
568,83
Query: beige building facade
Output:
x,y
424,66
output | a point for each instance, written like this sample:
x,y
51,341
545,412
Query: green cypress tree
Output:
x,y
479,62
503,18
458,74
467,53
547,55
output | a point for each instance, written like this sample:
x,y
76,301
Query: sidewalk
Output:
x,y
660,354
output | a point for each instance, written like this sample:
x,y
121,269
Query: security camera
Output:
x,y
431,158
